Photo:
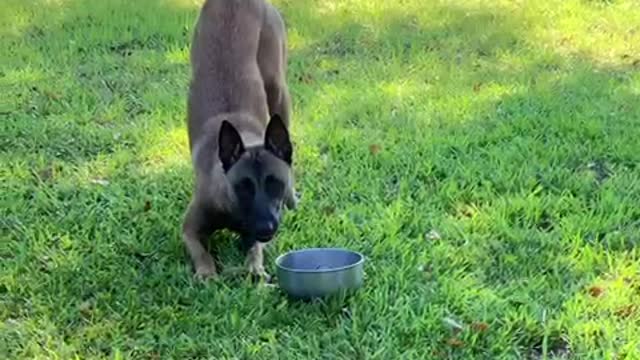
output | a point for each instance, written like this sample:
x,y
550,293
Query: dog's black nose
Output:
x,y
265,230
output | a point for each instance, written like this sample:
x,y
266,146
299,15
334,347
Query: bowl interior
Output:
x,y
319,260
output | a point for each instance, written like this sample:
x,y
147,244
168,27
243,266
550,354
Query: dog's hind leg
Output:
x,y
272,61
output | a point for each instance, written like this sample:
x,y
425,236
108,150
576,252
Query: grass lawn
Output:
x,y
483,155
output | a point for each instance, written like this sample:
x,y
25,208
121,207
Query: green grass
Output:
x,y
508,127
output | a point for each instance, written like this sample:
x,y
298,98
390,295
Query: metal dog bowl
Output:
x,y
319,272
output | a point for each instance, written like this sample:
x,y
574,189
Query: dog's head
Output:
x,y
259,176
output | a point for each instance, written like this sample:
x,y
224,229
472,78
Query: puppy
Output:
x,y
238,123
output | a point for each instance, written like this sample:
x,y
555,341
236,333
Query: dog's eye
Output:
x,y
274,187
245,189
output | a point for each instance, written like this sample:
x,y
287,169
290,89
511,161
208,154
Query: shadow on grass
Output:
x,y
523,161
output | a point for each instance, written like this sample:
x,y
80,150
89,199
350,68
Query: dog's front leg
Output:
x,y
255,261
195,229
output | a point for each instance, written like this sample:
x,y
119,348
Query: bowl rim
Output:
x,y
319,271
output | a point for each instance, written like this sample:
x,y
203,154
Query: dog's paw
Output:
x,y
205,273
259,274
262,277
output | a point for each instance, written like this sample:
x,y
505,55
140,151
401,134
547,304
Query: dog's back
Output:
x,y
226,75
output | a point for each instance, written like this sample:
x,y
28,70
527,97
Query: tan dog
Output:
x,y
238,120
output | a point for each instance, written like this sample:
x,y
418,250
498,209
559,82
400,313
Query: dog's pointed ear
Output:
x,y
277,140
230,146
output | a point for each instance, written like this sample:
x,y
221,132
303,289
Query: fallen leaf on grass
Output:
x,y
596,291
374,149
480,326
477,86
455,342
51,95
626,311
